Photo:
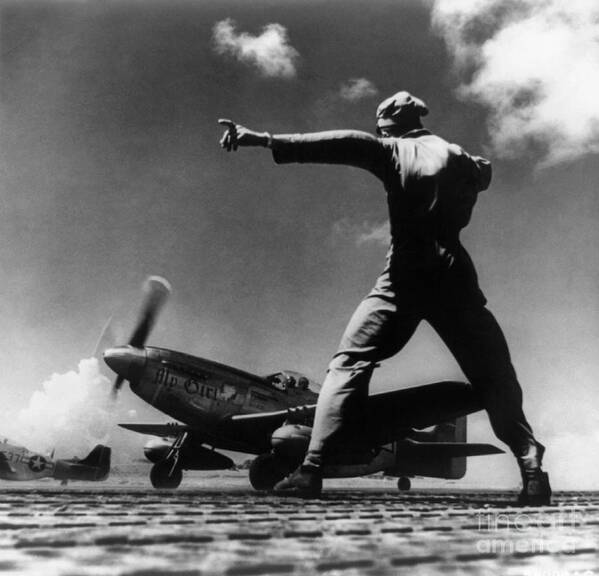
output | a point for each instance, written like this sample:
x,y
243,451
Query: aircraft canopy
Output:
x,y
291,380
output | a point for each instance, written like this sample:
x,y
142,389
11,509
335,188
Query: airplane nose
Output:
x,y
126,361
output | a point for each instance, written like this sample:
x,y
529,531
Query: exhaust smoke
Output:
x,y
71,412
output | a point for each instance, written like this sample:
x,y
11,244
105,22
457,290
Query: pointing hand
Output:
x,y
237,135
229,139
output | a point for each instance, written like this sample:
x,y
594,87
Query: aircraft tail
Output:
x,y
94,467
440,453
98,457
452,431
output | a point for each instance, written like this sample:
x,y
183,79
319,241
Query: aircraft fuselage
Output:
x,y
18,463
202,393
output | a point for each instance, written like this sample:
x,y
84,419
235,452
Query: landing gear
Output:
x,y
404,484
266,470
164,475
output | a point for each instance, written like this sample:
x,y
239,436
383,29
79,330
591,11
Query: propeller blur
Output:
x,y
156,291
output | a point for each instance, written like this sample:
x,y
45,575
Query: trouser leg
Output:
x,y
478,344
376,331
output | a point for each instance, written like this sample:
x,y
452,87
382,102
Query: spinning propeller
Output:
x,y
156,292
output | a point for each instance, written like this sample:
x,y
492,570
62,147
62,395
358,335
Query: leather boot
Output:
x,y
536,490
305,482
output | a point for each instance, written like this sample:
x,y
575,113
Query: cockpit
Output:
x,y
288,380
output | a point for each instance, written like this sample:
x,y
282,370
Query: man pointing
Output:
x,y
431,188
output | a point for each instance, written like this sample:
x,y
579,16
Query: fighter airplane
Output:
x,y
18,463
221,407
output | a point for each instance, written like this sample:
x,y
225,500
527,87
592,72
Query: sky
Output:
x,y
110,171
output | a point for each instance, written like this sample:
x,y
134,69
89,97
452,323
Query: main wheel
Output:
x,y
266,470
161,478
404,484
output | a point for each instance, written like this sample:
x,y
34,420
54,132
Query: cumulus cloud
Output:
x,y
363,232
270,52
374,233
356,89
535,65
342,97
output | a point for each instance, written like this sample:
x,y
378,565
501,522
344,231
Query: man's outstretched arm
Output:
x,y
348,147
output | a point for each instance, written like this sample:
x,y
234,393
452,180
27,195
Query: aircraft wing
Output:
x,y
5,467
445,449
242,432
160,430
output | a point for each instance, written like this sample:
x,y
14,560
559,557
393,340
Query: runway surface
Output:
x,y
223,527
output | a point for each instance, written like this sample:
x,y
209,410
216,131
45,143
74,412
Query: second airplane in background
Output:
x,y
19,463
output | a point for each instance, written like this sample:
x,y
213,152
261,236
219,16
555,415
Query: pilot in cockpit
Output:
x,y
283,382
303,383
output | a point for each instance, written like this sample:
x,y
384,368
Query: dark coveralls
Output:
x,y
431,187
